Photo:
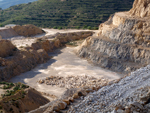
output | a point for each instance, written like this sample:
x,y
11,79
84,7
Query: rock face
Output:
x,y
129,95
27,30
25,59
123,42
141,8
7,33
22,61
49,45
6,48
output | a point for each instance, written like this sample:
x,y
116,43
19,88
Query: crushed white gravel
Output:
x,y
126,91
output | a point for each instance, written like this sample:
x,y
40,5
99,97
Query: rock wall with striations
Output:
x,y
123,42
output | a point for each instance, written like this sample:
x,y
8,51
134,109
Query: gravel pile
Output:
x,y
129,91
74,81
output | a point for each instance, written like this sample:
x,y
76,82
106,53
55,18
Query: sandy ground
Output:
x,y
63,63
54,31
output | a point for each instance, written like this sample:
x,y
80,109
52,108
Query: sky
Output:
x,y
7,3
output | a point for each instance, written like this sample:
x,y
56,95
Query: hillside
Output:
x,y
68,13
7,3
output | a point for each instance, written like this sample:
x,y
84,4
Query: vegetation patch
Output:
x,y
12,88
80,14
73,43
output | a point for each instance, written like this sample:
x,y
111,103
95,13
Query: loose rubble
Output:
x,y
74,81
129,94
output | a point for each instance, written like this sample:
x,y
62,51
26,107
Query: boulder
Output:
x,y
62,105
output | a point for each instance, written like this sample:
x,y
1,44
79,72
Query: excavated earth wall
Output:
x,y
122,44
18,61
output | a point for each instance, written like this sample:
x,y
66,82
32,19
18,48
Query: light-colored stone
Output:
x,y
62,105
27,30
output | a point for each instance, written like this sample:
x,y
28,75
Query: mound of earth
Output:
x,y
19,98
27,30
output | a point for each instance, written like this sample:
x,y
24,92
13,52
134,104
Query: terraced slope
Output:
x,y
122,43
67,13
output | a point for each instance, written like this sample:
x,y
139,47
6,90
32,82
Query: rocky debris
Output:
x,y
122,43
73,81
6,48
71,94
49,95
127,93
27,30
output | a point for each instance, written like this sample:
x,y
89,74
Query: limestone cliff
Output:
x,y
140,8
123,42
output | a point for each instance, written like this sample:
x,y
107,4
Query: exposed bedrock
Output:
x,y
27,30
141,8
15,61
49,45
7,33
123,42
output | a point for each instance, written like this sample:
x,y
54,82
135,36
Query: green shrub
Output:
x,y
95,28
72,43
8,94
54,27
23,92
59,27
85,27
24,86
77,27
89,27
7,85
